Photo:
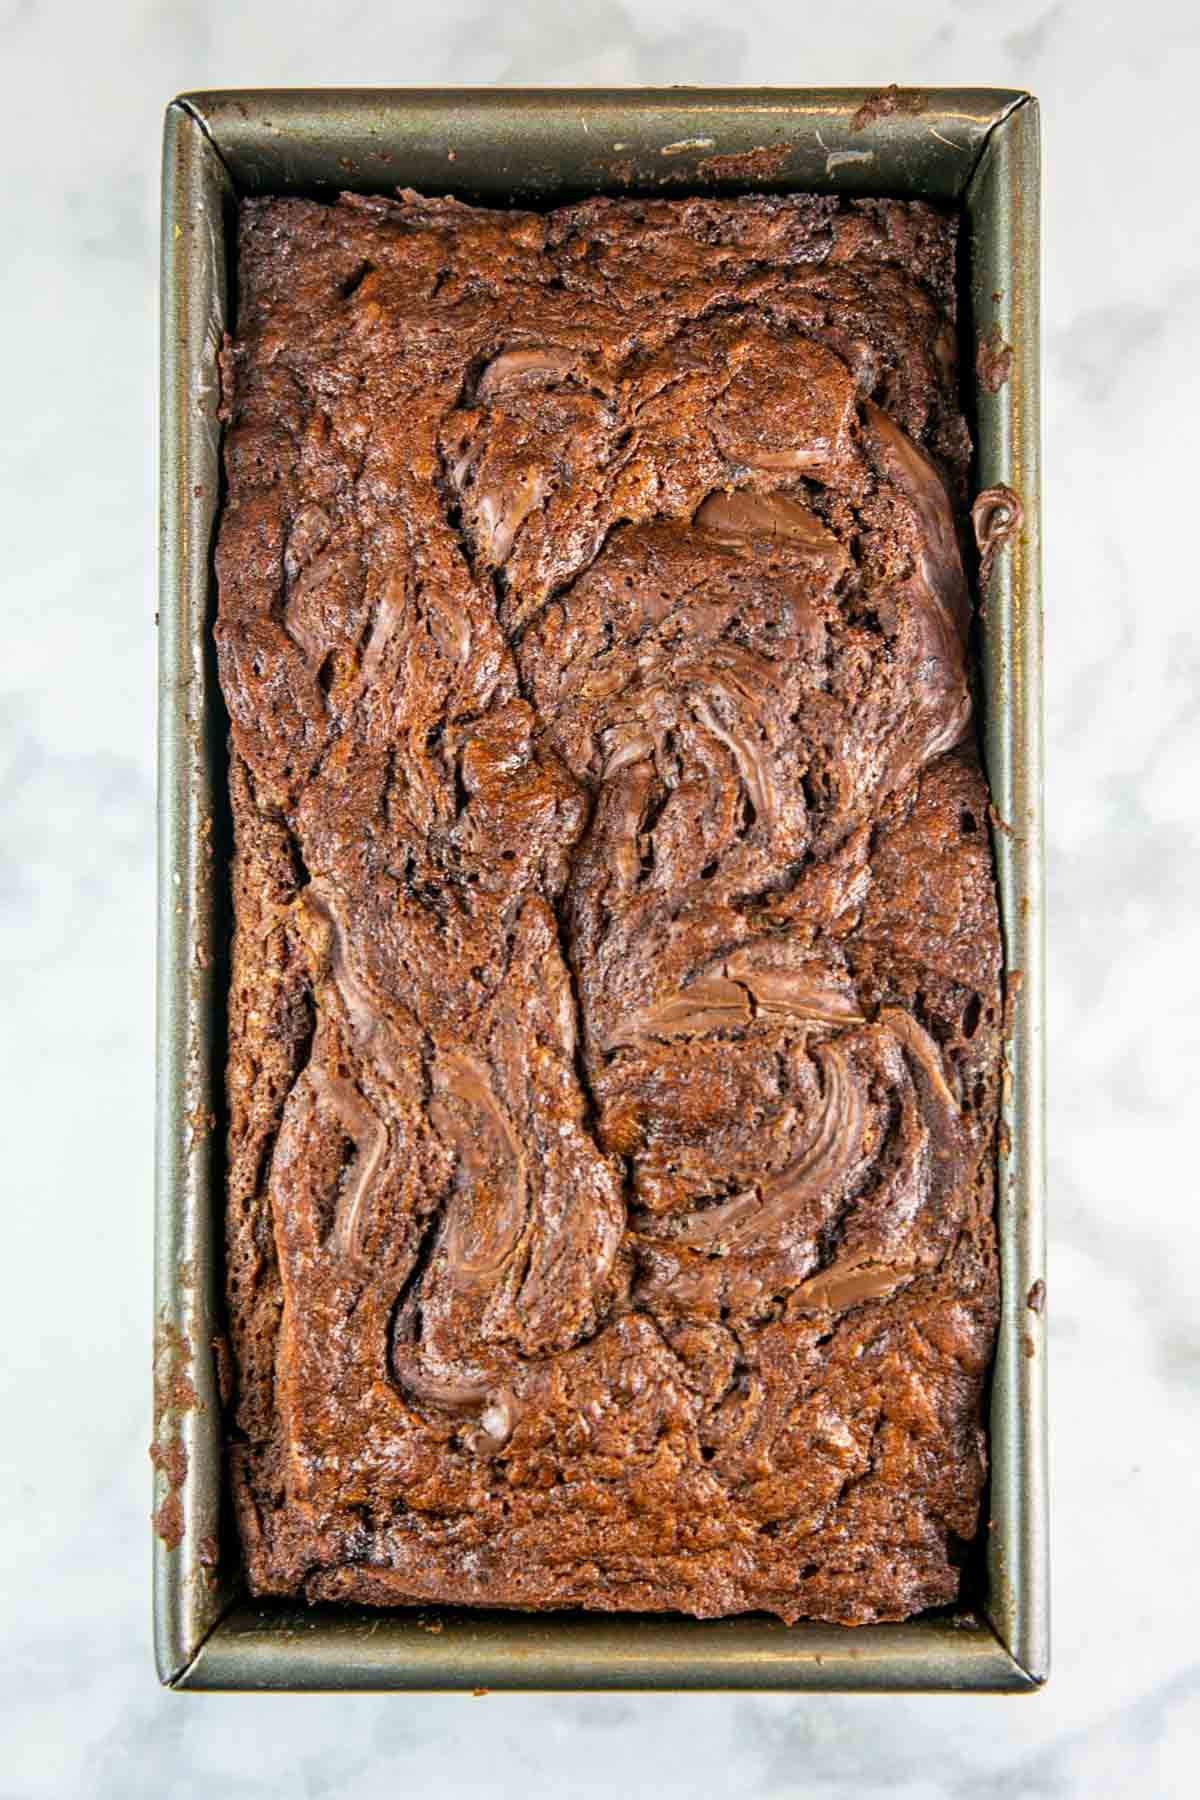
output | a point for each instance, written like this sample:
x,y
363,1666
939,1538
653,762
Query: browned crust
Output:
x,y
442,1011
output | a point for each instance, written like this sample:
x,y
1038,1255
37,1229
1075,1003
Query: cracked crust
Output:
x,y
614,1005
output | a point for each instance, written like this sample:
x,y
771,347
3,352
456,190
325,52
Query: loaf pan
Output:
x,y
976,148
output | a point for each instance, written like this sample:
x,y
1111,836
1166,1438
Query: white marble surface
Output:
x,y
80,1713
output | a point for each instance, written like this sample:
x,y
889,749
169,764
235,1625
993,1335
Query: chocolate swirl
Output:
x,y
757,1219
743,988
368,1134
480,1238
523,1262
997,517
937,593
888,1195
745,516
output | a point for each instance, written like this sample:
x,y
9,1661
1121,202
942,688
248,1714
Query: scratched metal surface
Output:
x,y
977,146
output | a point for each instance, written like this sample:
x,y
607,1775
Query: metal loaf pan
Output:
x,y
977,148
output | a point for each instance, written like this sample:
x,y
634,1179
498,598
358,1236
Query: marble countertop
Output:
x,y
80,1712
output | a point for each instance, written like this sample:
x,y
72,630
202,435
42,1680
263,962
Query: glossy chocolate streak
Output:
x,y
751,764
491,1164
320,920
812,1188
523,368
740,993
997,517
758,1219
937,594
745,516
368,1134
614,1011
912,473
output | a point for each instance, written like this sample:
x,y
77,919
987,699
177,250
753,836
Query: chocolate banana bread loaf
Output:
x,y
613,1014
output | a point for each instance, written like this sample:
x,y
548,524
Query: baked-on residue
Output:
x,y
613,1011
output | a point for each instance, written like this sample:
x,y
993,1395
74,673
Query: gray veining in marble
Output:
x,y
81,1713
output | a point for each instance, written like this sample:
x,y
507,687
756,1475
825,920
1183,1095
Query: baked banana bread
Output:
x,y
613,1024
